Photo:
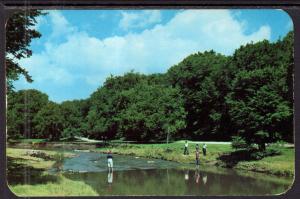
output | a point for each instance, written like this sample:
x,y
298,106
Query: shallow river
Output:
x,y
140,176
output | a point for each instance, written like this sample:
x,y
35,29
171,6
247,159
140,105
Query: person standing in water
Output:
x,y
197,158
110,161
186,150
204,149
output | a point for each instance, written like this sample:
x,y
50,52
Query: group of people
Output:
x,y
186,152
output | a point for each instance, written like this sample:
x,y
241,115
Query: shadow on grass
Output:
x,y
232,159
18,173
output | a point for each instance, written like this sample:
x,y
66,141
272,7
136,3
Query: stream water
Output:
x,y
140,176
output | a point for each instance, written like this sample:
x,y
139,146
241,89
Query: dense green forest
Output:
x,y
207,96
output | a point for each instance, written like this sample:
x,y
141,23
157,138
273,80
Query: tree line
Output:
x,y
247,96
207,96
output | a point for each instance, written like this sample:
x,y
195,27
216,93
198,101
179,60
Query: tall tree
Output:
x,y
73,114
104,102
202,79
22,107
150,112
19,33
259,101
50,122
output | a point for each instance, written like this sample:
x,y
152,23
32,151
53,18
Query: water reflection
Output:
x,y
110,180
186,175
175,182
110,177
204,179
197,175
19,173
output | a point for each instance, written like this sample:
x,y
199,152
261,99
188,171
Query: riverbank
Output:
x,y
281,165
29,176
38,159
37,163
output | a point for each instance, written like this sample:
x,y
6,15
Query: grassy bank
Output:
x,y
62,187
282,164
39,161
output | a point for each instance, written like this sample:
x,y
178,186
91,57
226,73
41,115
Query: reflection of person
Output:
x,y
204,179
110,180
186,175
186,150
109,161
110,177
197,158
197,176
204,149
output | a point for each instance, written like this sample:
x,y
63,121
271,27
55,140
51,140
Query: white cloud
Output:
x,y
82,59
139,19
60,25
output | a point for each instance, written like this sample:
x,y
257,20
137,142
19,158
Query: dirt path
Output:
x,y
87,139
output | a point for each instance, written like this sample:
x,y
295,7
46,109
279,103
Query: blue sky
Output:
x,y
79,49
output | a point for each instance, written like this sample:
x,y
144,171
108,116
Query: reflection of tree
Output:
x,y
18,173
170,182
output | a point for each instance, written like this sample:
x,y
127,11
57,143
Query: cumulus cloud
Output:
x,y
139,19
86,60
60,26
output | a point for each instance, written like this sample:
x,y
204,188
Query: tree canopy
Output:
x,y
260,101
201,78
22,108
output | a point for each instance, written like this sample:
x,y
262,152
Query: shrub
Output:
x,y
59,159
257,155
238,143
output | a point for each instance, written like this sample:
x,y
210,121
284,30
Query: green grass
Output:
x,y
29,140
21,156
282,164
64,187
172,151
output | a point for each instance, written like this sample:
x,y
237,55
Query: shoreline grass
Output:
x,y
63,187
23,156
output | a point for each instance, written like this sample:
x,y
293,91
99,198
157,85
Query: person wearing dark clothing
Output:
x,y
197,158
204,149
186,150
